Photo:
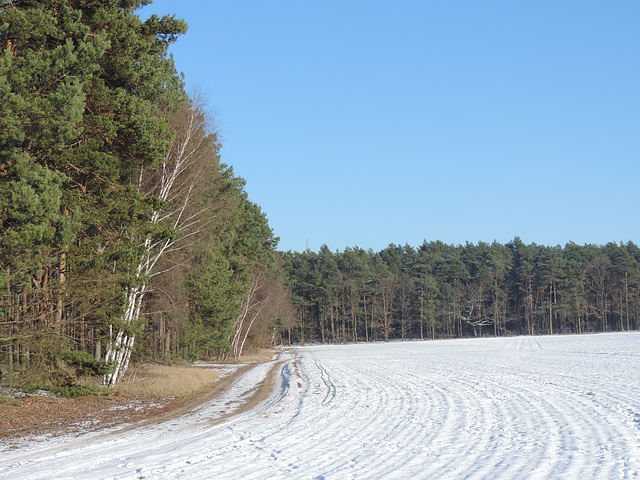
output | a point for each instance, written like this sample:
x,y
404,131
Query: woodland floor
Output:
x,y
34,415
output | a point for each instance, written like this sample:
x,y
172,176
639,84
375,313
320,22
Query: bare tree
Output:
x,y
472,307
252,306
174,184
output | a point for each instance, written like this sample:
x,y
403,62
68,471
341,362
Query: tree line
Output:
x,y
446,291
122,235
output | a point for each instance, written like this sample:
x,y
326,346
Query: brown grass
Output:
x,y
260,355
153,380
150,380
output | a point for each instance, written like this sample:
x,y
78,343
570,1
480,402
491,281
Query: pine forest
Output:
x,y
447,291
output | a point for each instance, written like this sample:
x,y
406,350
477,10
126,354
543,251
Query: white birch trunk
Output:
x,y
246,333
185,152
250,308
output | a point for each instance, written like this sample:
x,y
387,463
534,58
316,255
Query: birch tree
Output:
x,y
254,257
172,223
251,306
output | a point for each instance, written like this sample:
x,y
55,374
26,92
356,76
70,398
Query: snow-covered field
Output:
x,y
525,407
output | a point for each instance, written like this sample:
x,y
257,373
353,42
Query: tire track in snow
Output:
x,y
481,419
567,426
326,379
482,415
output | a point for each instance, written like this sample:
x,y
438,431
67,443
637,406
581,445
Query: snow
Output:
x,y
564,407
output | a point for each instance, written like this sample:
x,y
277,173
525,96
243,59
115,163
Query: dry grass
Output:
x,y
260,355
9,402
167,380
164,380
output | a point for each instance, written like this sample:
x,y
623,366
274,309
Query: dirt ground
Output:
x,y
36,415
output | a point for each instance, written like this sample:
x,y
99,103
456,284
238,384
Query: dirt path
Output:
x,y
34,416
262,391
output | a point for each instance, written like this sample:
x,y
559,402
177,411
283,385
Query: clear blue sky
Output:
x,y
365,123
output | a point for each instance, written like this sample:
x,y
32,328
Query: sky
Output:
x,y
366,123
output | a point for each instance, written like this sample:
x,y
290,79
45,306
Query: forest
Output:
x,y
124,237
471,290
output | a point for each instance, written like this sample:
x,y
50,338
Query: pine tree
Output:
x,y
82,85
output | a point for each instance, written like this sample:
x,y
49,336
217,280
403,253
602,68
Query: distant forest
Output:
x,y
447,291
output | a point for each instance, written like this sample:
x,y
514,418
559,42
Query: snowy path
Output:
x,y
526,407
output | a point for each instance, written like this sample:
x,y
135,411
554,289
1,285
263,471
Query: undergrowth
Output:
x,y
167,380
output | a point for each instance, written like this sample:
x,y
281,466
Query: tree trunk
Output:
x,y
120,348
59,303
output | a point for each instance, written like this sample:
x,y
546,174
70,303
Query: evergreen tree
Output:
x,y
80,87
441,290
